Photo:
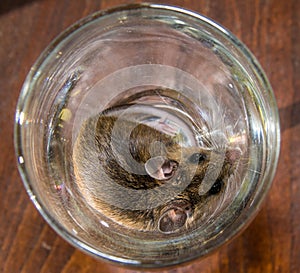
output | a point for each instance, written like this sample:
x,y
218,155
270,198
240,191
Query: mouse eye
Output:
x,y
197,158
216,187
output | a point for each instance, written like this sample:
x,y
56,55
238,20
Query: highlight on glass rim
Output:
x,y
144,135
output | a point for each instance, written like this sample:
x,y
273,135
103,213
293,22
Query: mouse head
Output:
x,y
192,161
208,172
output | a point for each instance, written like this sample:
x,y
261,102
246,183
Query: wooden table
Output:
x,y
270,28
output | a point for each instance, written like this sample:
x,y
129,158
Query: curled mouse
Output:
x,y
145,179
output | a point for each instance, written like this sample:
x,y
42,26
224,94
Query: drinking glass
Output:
x,y
179,80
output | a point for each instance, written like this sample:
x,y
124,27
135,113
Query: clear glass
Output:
x,y
147,135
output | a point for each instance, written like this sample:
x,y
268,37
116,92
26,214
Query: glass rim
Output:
x,y
59,228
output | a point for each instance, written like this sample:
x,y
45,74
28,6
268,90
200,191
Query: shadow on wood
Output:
x,y
8,5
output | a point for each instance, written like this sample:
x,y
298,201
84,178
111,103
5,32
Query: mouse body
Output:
x,y
145,179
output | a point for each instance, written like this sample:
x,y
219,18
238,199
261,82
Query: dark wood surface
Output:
x,y
271,29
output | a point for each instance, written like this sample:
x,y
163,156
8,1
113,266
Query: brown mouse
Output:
x,y
144,179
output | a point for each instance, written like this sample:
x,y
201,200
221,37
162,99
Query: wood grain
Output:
x,y
270,28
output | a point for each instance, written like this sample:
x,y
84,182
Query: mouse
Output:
x,y
145,179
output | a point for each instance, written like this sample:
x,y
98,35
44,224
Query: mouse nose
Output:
x,y
233,155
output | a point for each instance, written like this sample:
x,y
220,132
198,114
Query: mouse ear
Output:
x,y
172,220
153,167
160,168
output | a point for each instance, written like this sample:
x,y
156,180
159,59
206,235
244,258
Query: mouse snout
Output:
x,y
233,155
